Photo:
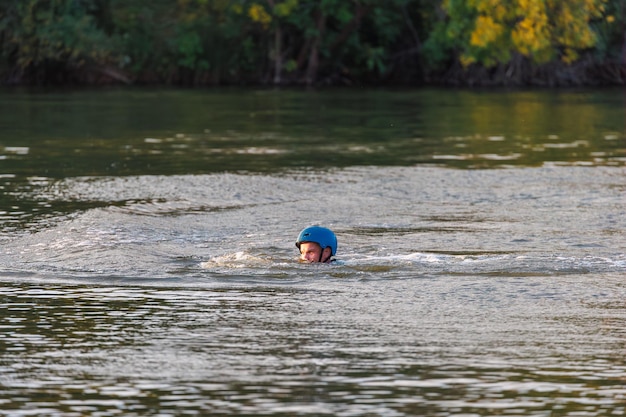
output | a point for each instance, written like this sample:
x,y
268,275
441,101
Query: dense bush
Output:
x,y
211,42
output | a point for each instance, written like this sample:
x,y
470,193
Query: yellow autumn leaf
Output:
x,y
257,13
486,31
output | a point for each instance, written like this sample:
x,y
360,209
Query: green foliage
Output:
x,y
296,41
489,32
285,8
35,32
609,32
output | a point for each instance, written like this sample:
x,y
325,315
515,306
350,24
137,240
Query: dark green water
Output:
x,y
191,132
148,266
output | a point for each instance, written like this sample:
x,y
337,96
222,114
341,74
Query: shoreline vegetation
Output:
x,y
548,43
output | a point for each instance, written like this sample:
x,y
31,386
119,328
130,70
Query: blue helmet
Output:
x,y
320,235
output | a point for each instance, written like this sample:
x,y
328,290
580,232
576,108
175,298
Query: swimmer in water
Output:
x,y
317,244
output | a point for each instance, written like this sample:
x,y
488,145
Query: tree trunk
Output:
x,y
311,71
278,62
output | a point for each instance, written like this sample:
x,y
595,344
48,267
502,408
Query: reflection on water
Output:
x,y
174,132
148,266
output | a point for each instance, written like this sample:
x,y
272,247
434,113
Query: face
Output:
x,y
311,251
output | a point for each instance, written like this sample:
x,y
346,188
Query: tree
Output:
x,y
492,32
36,35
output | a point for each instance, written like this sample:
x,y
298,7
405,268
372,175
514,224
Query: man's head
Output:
x,y
316,244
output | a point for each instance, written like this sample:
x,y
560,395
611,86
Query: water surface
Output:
x,y
148,264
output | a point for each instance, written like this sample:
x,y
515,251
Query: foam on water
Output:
x,y
236,260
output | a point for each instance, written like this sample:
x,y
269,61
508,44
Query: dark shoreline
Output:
x,y
585,73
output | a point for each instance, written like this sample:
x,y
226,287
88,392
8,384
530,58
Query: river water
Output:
x,y
148,266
